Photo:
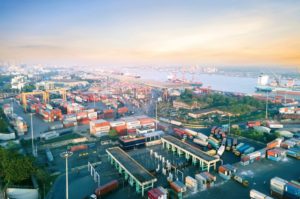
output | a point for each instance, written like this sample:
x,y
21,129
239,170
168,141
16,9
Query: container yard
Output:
x,y
138,154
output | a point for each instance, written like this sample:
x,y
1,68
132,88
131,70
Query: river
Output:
x,y
215,81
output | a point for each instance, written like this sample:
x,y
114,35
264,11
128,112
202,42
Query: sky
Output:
x,y
151,32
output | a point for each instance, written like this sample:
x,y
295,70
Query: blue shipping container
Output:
x,y
292,189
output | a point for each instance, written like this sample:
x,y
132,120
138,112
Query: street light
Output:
x,y
229,124
156,115
66,155
32,144
267,100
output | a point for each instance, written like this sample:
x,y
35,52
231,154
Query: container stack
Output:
x,y
178,186
277,186
276,154
254,194
21,126
291,190
99,127
132,123
158,193
251,157
74,108
122,110
226,171
7,109
287,144
108,114
191,184
119,126
274,143
147,122
205,180
293,152
70,120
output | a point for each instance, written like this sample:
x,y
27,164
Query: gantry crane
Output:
x,y
45,94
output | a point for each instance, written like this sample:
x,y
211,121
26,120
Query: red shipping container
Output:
x,y
122,110
109,187
155,193
78,148
222,169
85,121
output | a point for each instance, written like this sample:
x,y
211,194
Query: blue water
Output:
x,y
215,81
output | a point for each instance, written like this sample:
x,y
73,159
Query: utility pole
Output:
x,y
156,115
267,101
32,143
229,125
66,155
94,101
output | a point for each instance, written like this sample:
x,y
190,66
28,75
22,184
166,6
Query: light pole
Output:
x,y
267,101
31,126
66,155
229,125
156,115
94,101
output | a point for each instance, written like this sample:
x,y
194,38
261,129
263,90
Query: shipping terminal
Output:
x,y
115,136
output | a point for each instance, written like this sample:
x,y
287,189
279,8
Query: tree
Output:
x,y
15,168
112,133
28,88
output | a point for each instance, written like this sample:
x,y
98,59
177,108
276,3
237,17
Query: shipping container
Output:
x,y
78,148
107,188
200,142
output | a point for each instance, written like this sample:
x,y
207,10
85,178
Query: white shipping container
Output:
x,y
202,136
278,183
254,155
200,142
257,195
92,115
117,123
175,122
191,132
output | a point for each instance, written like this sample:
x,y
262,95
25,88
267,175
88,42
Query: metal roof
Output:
x,y
133,167
193,150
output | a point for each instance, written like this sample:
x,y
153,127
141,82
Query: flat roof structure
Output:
x,y
198,156
131,166
193,150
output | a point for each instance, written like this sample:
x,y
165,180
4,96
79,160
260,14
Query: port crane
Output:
x,y
45,94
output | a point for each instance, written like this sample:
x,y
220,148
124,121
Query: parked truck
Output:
x,y
228,144
238,146
241,150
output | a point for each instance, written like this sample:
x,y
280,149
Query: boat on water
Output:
x,y
263,85
131,75
172,78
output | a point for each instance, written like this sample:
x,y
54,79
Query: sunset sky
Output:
x,y
150,32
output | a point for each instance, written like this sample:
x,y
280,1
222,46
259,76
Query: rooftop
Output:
x,y
133,167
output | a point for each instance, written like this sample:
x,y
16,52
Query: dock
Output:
x,y
198,156
137,175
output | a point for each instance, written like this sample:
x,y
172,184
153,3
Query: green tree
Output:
x,y
15,168
113,134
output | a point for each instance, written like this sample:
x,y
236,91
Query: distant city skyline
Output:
x,y
139,33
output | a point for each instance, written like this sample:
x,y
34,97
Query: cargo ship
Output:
x,y
172,78
263,85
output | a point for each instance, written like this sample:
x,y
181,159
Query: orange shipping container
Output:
x,y
272,145
222,169
78,148
146,120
